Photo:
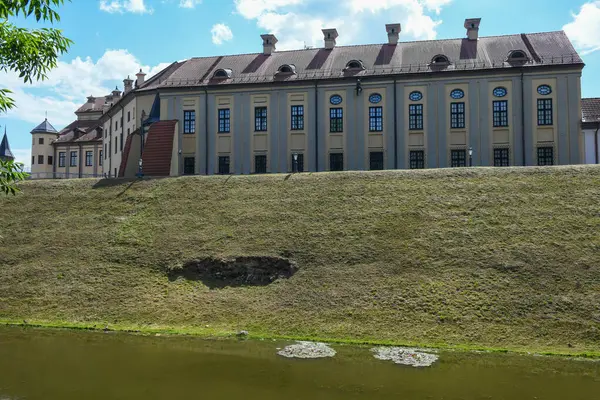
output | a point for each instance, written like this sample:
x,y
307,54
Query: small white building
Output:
x,y
590,124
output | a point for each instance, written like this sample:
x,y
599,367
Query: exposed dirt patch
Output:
x,y
240,271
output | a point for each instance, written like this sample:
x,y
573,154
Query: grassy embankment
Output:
x,y
471,258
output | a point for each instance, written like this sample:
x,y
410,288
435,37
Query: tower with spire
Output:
x,y
5,153
42,151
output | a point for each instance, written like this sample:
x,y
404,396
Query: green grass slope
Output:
x,y
497,258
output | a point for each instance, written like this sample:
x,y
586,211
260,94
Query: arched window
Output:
x,y
440,59
355,64
222,74
517,55
287,69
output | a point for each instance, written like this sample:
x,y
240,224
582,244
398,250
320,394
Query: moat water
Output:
x,y
57,364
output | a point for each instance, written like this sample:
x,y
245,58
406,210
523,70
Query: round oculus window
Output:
x,y
544,90
375,98
500,92
457,94
415,96
335,99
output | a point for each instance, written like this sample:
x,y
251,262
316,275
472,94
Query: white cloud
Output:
x,y
296,25
23,156
221,33
189,3
584,30
121,6
70,83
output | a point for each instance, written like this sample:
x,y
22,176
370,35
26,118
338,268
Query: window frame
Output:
x,y
545,112
263,164
458,158
457,115
224,120
121,142
89,158
40,157
73,159
261,119
334,161
189,122
379,163
500,113
40,141
100,158
297,117
336,120
50,160
375,119
415,162
542,158
186,165
62,159
501,156
299,167
415,117
221,165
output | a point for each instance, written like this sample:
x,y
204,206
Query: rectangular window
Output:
x,y
501,158
41,140
105,152
260,164
417,159
458,158
62,158
415,115
189,165
116,125
40,160
297,162
457,115
336,120
189,121
336,162
89,155
50,160
73,162
260,119
128,131
100,158
32,160
128,116
500,113
297,118
223,165
545,112
224,120
376,119
116,144
121,141
545,155
376,160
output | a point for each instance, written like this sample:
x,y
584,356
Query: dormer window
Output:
x,y
287,69
517,55
222,74
355,65
440,60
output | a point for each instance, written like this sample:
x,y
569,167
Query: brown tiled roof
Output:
x,y
79,131
590,109
550,48
95,106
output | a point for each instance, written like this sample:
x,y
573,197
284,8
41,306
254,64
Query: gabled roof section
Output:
x,y
541,49
590,110
44,127
95,105
5,152
79,131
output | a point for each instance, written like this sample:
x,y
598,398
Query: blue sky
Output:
x,y
114,38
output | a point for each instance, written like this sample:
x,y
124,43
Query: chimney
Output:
x,y
116,93
127,85
393,32
472,27
269,42
329,35
140,78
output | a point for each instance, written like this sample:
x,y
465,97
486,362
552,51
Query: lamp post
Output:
x,y
295,163
140,173
470,156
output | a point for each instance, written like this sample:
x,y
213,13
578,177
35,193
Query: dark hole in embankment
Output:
x,y
241,271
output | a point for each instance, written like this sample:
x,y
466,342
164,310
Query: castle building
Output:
x,y
5,153
511,100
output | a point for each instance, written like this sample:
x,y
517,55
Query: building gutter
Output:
x,y
110,147
81,160
316,127
395,125
206,129
524,152
596,144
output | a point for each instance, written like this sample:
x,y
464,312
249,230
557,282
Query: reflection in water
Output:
x,y
65,365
